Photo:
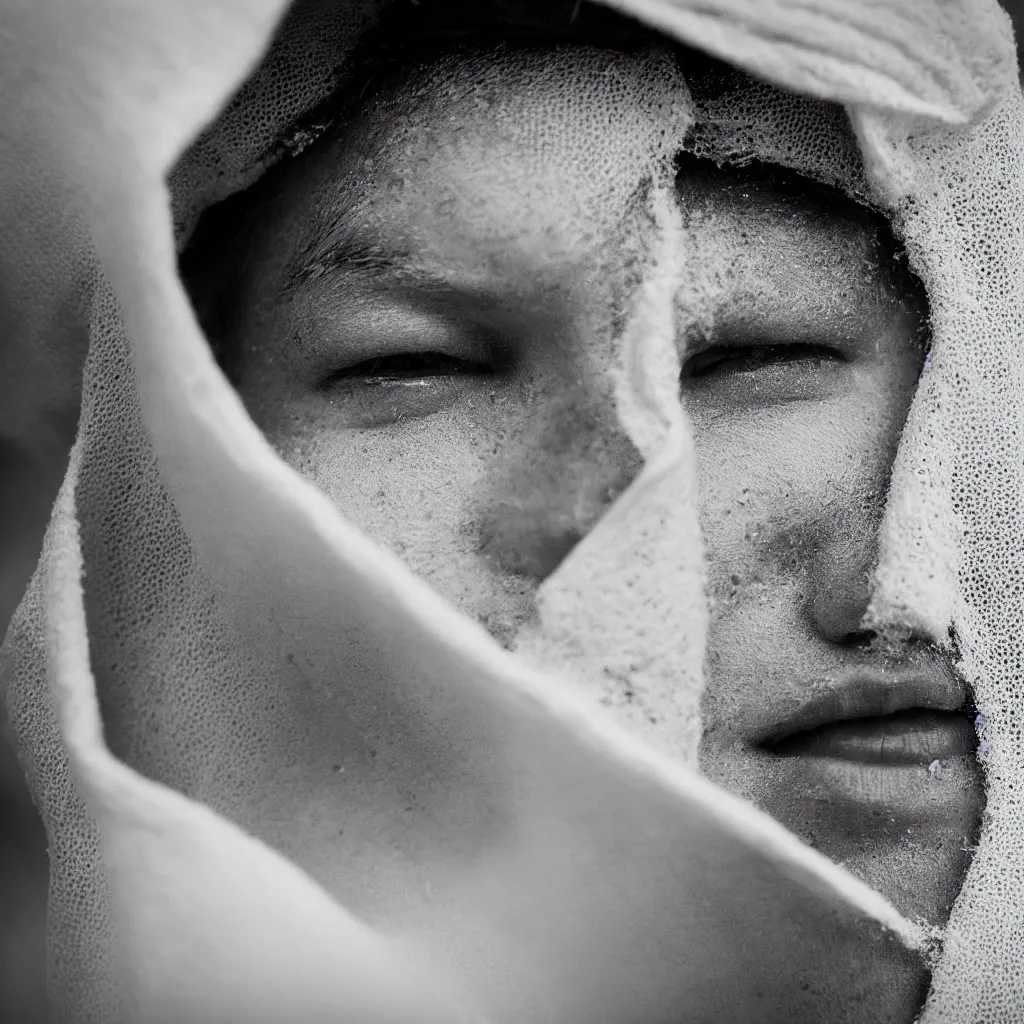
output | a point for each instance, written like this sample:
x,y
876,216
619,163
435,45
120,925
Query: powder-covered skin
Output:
x,y
464,232
794,461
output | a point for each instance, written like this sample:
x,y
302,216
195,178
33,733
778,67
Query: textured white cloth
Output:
x,y
565,872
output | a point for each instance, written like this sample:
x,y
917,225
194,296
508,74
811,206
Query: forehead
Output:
x,y
543,106
534,153
517,142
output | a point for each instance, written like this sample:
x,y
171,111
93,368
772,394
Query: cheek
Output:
x,y
409,486
416,488
791,498
774,484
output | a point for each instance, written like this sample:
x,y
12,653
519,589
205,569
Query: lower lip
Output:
x,y
915,737
848,790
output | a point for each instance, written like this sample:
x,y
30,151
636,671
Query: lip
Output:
x,y
902,738
895,719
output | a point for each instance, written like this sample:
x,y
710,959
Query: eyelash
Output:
x,y
721,359
404,367
412,366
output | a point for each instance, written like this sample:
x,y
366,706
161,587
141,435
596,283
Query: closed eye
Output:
x,y
405,368
719,360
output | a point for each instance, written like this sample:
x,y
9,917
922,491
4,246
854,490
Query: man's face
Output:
x,y
428,330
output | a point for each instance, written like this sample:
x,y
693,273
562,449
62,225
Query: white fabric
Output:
x,y
570,873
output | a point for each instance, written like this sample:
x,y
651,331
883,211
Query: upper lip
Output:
x,y
873,695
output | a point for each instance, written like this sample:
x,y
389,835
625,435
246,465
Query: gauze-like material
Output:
x,y
957,490
556,868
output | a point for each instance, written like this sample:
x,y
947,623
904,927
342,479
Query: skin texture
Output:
x,y
432,342
793,463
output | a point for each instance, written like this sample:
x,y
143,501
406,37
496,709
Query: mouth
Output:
x,y
881,721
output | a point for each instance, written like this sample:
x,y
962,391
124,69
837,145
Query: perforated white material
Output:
x,y
304,64
957,492
506,848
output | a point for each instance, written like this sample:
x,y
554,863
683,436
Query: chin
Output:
x,y
907,831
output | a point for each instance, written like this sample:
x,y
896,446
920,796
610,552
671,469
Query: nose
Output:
x,y
840,586
553,482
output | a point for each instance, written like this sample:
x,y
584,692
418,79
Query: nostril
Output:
x,y
859,639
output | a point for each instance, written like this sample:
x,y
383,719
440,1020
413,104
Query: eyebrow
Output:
x,y
339,246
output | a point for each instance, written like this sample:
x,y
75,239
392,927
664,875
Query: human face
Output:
x,y
428,329
857,743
